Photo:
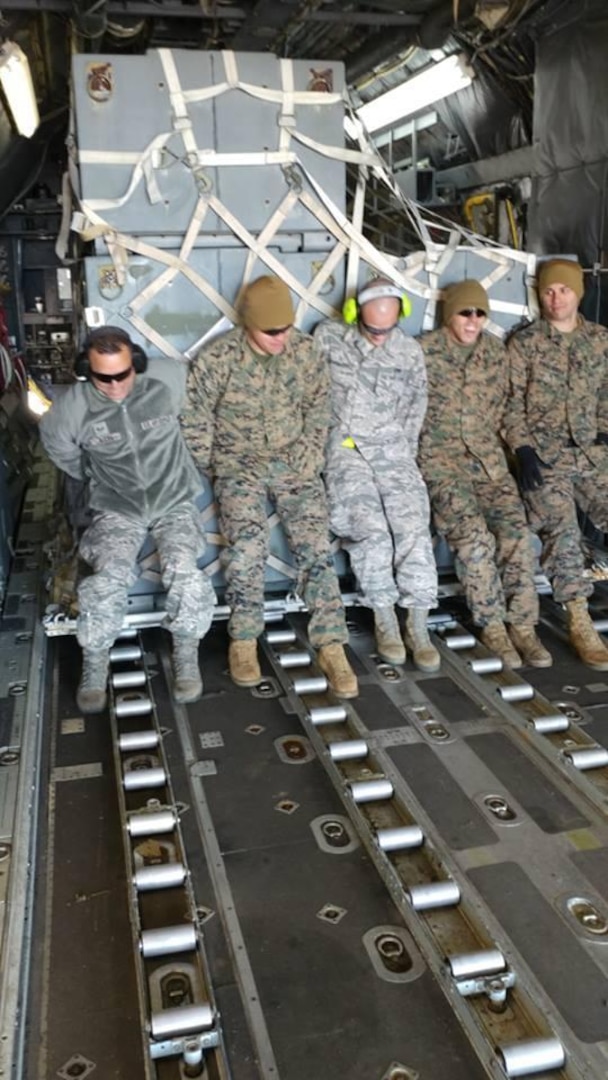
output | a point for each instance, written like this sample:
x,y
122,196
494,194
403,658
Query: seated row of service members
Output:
x,y
256,420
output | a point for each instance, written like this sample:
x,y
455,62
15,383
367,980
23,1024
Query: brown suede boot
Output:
x,y
424,654
495,638
340,676
243,662
529,646
389,645
584,638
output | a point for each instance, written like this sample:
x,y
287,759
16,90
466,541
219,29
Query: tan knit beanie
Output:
x,y
266,304
561,272
463,295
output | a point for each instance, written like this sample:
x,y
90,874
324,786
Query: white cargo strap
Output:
x,y
323,275
337,153
352,265
182,122
287,117
159,283
154,337
143,168
277,219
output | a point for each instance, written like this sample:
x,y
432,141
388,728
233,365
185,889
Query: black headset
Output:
x,y
108,335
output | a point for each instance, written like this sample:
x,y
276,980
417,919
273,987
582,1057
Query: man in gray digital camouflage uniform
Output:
x,y
474,499
119,432
378,502
258,409
557,424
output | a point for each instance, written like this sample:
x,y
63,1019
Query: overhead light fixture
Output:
x,y
431,85
16,80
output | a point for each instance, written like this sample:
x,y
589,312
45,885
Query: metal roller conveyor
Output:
x,y
184,1020
119,654
547,725
593,757
460,641
469,965
280,637
519,692
126,680
294,659
316,684
152,824
132,705
400,838
168,939
601,625
364,791
144,778
486,665
532,1057
128,633
327,714
435,894
138,740
349,750
162,876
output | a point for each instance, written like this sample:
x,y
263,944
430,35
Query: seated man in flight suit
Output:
x,y
474,499
118,430
257,416
378,503
557,424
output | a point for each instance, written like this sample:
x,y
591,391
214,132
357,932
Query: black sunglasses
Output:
x,y
468,312
278,330
119,377
376,331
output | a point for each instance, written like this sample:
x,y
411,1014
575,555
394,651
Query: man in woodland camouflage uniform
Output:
x,y
257,421
378,502
119,431
557,424
474,499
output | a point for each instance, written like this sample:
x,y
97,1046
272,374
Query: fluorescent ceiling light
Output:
x,y
431,85
16,79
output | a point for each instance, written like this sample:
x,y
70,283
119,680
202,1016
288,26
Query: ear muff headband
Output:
x,y
351,309
81,363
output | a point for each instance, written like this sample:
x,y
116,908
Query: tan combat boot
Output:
x,y
424,654
389,645
187,682
584,638
495,638
340,676
243,662
529,646
91,696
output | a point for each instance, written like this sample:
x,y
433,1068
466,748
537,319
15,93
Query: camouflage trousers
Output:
x,y
301,508
382,517
485,525
110,546
552,514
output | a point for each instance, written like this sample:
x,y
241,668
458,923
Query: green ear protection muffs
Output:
x,y
351,309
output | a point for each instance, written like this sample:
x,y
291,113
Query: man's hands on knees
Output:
x,y
529,468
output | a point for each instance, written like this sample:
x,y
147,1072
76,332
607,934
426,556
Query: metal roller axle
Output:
x,y
132,705
327,714
316,684
125,680
144,778
121,653
546,725
519,692
370,790
280,637
294,659
532,1056
486,665
483,962
592,757
184,1020
435,894
153,823
400,838
138,740
460,641
349,750
168,939
162,876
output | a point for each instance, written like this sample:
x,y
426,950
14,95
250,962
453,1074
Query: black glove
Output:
x,y
528,468
601,439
